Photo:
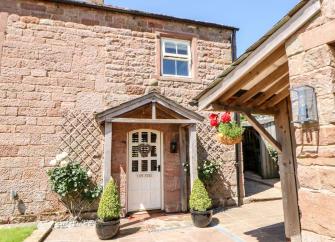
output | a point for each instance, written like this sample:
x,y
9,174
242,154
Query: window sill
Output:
x,y
177,79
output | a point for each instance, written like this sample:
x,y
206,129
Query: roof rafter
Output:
x,y
273,77
264,69
282,83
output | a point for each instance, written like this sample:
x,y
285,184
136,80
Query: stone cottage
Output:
x,y
297,54
112,88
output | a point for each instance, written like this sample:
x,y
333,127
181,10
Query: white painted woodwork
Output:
x,y
192,134
260,53
144,175
107,164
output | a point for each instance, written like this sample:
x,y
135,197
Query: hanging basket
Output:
x,y
228,140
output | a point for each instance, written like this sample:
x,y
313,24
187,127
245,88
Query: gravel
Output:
x,y
73,223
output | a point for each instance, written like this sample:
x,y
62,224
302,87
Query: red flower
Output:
x,y
214,122
225,118
213,116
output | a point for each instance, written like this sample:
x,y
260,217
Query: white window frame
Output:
x,y
176,56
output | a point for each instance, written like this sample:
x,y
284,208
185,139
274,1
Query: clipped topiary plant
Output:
x,y
199,199
109,205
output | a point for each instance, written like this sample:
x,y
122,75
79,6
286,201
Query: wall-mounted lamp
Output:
x,y
304,107
173,146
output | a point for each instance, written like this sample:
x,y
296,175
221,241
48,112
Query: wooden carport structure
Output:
x,y
258,83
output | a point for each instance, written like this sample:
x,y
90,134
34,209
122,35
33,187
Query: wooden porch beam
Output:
x,y
263,132
219,107
151,121
265,68
272,78
277,98
153,110
107,162
280,85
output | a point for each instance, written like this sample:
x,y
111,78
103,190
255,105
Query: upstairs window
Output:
x,y
176,58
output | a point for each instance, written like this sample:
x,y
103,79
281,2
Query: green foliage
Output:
x,y
232,129
71,179
109,206
74,186
18,234
199,200
273,153
208,170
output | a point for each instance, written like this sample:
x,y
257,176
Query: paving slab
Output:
x,y
262,221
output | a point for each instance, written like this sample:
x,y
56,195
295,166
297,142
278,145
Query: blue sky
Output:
x,y
253,17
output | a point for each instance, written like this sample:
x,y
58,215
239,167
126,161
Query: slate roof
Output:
x,y
142,13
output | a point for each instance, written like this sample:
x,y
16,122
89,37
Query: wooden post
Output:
x,y
192,134
153,110
263,132
287,170
183,182
107,153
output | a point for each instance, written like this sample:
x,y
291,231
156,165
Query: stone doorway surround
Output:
x,y
151,111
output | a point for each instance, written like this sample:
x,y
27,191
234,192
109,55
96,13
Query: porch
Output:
x,y
147,142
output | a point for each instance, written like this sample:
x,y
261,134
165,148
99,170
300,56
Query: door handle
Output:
x,y
159,168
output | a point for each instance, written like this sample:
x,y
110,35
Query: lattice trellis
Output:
x,y
222,186
208,147
81,139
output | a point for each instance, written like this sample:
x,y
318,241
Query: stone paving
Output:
x,y
261,221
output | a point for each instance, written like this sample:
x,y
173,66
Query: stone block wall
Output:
x,y
312,62
59,57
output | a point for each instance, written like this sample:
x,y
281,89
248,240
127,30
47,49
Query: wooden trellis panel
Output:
x,y
81,139
208,147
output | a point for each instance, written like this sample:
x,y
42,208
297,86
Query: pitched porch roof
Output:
x,y
180,114
258,80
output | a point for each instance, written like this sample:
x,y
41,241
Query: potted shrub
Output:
x,y
108,222
229,132
200,205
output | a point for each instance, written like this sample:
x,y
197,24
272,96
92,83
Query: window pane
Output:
x,y
153,138
169,67
144,165
144,137
153,151
134,151
154,165
135,137
182,68
170,47
182,49
134,166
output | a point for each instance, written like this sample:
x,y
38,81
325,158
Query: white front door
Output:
x,y
144,185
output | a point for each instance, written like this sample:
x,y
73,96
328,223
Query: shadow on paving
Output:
x,y
274,233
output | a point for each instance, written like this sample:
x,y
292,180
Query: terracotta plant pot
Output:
x,y
107,229
202,219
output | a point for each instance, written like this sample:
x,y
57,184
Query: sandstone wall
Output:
x,y
312,62
56,58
